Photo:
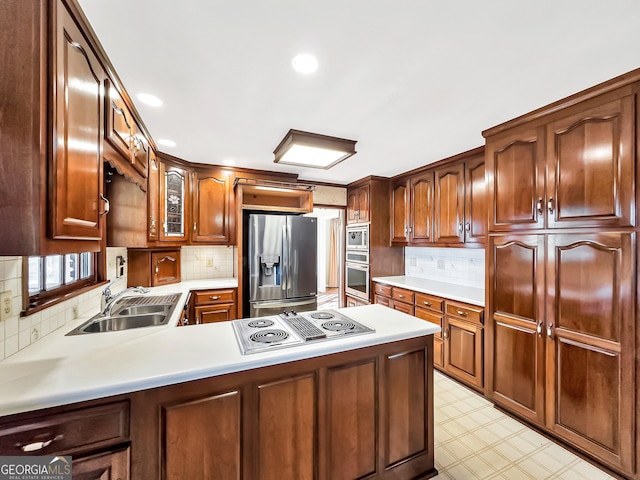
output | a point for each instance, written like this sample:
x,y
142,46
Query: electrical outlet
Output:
x,y
35,334
74,311
209,262
412,261
440,264
6,305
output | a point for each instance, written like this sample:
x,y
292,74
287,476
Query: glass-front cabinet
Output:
x,y
173,203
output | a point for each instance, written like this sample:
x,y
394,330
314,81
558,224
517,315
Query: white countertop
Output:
x,y
474,296
59,369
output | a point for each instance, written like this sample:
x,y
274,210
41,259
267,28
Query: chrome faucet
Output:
x,y
108,299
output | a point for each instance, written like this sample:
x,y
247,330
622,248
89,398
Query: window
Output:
x,y
55,277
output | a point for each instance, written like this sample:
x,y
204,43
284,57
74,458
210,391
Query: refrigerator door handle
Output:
x,y
285,260
281,303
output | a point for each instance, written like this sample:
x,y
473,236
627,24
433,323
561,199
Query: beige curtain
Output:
x,y
334,238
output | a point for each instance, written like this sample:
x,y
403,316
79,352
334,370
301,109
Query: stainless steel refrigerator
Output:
x,y
282,264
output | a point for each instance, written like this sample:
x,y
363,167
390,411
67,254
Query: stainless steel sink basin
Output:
x,y
125,322
131,312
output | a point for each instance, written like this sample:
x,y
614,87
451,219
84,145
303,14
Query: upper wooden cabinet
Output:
x,y
573,170
358,205
153,199
211,207
449,204
475,200
76,168
124,133
412,210
174,203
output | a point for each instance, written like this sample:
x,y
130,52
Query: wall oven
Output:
x,y
357,280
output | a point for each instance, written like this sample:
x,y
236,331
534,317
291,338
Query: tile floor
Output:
x,y
473,440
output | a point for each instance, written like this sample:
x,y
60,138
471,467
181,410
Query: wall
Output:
x,y
18,332
462,266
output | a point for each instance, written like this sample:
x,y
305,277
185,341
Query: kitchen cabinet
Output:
x,y
475,200
211,197
153,197
97,437
412,220
358,205
449,204
213,305
153,267
174,203
402,300
76,166
575,170
566,363
431,309
354,301
295,420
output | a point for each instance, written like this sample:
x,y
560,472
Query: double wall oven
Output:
x,y
357,279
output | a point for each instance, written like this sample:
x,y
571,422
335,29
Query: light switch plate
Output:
x,y
6,305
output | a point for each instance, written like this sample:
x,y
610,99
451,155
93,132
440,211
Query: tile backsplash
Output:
x,y
462,266
18,332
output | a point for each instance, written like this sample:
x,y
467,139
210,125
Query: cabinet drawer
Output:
x,y
211,297
430,317
386,301
66,433
402,295
429,301
466,312
384,290
403,307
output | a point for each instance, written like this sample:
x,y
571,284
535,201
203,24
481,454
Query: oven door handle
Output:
x,y
358,267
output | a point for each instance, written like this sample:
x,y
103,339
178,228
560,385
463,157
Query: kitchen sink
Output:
x,y
131,312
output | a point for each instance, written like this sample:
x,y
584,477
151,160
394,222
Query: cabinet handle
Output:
x,y
157,270
410,229
401,296
467,227
107,205
460,227
539,328
445,334
164,226
462,314
539,206
550,330
214,297
194,226
35,446
550,205
152,224
198,320
427,304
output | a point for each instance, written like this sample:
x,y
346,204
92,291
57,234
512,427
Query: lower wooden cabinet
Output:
x,y
112,465
354,302
213,305
153,267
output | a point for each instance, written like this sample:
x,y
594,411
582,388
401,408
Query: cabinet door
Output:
x,y
463,351
153,186
140,151
211,210
515,171
590,165
202,438
590,343
112,465
215,313
475,201
166,268
421,211
352,206
76,172
119,129
174,195
285,443
400,213
515,360
449,204
363,204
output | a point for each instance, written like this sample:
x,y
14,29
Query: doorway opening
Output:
x,y
331,223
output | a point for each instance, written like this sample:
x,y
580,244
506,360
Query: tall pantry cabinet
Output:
x,y
562,269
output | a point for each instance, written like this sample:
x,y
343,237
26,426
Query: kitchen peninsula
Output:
x,y
184,403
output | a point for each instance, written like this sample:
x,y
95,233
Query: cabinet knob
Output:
x,y
194,226
427,304
214,297
461,313
107,205
460,227
445,334
539,328
152,223
550,204
539,206
550,330
467,227
157,270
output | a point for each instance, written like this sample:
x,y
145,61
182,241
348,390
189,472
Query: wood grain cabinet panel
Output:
x,y
475,201
153,267
400,213
201,438
412,210
358,205
449,204
214,305
211,207
287,429
76,171
111,465
352,421
153,197
464,351
590,164
174,203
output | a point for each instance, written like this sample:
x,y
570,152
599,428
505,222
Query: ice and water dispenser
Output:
x,y
269,270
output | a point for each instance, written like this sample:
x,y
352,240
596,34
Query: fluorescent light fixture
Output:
x,y
166,143
150,100
305,63
305,149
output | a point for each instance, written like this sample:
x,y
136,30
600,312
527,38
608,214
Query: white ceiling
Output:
x,y
413,81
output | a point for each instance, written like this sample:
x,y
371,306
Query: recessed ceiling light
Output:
x,y
150,100
167,143
305,63
228,162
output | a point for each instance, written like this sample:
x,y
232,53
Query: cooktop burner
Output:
x,y
338,326
269,336
290,329
260,323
